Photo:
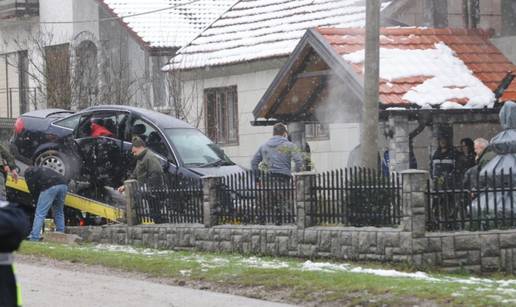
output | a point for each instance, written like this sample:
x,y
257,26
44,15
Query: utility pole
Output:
x,y
369,126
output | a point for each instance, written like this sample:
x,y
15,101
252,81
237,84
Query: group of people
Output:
x,y
450,163
48,189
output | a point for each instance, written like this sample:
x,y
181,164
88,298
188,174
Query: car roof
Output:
x,y
164,121
44,113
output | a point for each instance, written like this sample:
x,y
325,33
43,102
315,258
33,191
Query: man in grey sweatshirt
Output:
x,y
277,154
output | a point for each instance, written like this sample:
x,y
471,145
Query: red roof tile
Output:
x,y
473,47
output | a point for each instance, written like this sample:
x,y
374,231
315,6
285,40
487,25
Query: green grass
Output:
x,y
234,271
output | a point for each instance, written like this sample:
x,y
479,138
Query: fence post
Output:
x,y
413,213
304,184
209,186
130,192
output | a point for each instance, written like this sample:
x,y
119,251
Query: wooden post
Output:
x,y
369,125
130,193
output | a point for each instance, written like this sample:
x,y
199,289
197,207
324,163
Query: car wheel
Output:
x,y
57,161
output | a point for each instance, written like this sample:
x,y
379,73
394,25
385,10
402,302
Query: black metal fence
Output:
x,y
256,198
178,199
356,197
474,202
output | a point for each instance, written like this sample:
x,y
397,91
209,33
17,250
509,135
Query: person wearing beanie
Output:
x,y
148,168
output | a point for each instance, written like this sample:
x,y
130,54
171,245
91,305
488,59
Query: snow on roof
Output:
x,y
174,27
257,29
447,76
449,68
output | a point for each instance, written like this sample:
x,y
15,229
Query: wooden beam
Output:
x,y
312,74
312,97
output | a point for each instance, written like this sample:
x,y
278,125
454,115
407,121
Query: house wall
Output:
x,y
120,54
252,80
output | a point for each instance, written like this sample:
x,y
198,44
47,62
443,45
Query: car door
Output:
x,y
154,141
102,152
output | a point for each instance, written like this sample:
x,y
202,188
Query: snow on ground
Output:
x,y
503,290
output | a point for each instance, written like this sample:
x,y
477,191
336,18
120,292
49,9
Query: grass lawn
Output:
x,y
299,281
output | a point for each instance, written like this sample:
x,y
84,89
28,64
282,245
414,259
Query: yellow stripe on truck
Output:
x,y
75,201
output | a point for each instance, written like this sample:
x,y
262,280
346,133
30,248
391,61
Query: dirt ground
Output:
x,y
52,283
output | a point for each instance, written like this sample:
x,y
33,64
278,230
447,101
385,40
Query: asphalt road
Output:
x,y
44,286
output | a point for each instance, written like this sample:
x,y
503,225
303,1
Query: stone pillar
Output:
x,y
413,212
297,133
399,149
130,192
304,184
210,201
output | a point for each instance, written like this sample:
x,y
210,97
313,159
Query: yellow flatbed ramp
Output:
x,y
77,202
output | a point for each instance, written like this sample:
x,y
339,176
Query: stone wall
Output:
x,y
409,242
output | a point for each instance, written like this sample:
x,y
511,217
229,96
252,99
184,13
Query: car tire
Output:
x,y
57,161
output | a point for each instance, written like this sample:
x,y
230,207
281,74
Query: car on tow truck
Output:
x,y
62,140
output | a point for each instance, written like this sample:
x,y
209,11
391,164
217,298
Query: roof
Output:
x,y
419,67
430,66
260,29
173,27
162,120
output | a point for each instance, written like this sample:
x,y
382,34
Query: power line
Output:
x,y
121,17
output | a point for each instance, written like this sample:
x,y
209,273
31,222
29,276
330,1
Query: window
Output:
x,y
317,131
69,122
150,136
111,123
194,148
221,118
14,93
57,60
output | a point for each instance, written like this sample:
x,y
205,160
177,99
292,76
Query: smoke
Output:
x,y
338,104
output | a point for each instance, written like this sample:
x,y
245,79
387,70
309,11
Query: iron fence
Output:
x,y
356,197
474,202
256,198
177,199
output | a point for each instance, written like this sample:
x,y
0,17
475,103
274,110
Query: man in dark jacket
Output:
x,y
49,188
7,166
13,229
277,154
148,169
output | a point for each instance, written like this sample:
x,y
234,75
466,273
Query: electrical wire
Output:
x,y
121,17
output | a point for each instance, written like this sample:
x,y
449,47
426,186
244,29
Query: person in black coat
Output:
x,y
13,229
49,188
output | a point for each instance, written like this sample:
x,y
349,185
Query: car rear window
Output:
x,y
70,122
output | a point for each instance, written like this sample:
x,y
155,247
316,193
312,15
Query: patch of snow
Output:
x,y
395,109
130,250
449,77
259,263
451,105
185,272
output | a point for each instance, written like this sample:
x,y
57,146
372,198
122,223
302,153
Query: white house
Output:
x,y
77,53
227,69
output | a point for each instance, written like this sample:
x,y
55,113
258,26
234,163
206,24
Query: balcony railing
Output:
x,y
18,8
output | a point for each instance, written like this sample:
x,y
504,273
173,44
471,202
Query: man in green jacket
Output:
x,y
147,172
7,166
148,169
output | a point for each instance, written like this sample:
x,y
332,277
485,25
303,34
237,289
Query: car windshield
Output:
x,y
195,149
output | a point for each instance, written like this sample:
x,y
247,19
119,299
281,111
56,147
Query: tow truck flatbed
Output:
x,y
76,201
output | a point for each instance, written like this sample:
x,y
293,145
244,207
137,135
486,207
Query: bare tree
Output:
x,y
82,80
183,99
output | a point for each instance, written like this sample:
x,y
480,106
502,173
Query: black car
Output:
x,y
69,143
